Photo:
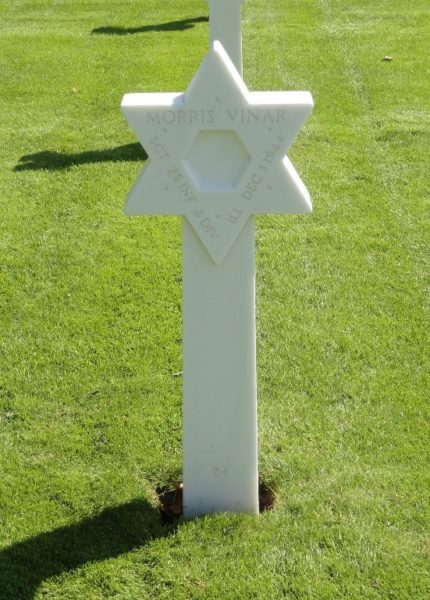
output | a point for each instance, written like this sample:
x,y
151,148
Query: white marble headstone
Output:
x,y
217,156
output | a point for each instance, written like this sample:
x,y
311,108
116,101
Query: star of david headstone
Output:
x,y
217,156
217,152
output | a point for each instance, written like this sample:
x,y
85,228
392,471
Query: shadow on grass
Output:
x,y
53,161
25,565
171,26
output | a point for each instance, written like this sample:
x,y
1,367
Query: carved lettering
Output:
x,y
280,115
181,184
209,227
257,177
232,114
169,117
235,215
158,148
181,117
206,223
194,116
153,117
267,117
251,116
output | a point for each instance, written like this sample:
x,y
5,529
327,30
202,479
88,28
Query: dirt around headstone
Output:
x,y
170,500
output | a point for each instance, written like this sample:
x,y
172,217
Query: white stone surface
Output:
x,y
219,386
225,27
217,157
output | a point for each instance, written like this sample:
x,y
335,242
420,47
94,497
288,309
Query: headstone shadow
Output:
x,y
53,161
170,26
25,565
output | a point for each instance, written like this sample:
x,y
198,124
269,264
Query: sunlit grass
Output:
x,y
90,311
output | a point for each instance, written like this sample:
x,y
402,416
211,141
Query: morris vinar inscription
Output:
x,y
212,116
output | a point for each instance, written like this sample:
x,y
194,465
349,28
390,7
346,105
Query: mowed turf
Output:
x,y
90,311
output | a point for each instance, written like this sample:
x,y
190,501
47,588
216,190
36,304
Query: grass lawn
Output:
x,y
90,311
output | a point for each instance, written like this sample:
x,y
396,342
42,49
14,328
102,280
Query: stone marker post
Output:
x,y
217,157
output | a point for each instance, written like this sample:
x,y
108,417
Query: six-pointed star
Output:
x,y
217,152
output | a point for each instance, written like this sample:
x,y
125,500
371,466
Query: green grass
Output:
x,y
90,311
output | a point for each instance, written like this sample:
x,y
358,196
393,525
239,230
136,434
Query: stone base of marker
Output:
x,y
220,454
170,501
